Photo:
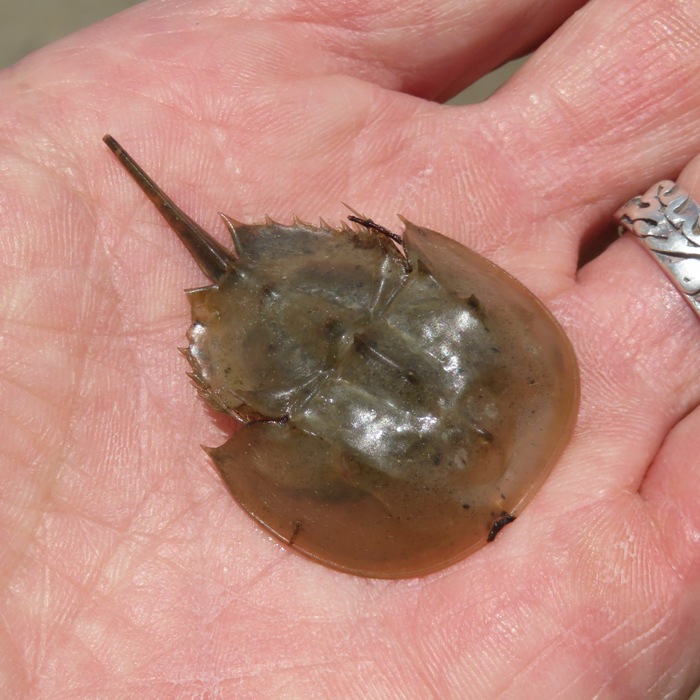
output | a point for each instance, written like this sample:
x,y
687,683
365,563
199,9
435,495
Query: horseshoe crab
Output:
x,y
401,398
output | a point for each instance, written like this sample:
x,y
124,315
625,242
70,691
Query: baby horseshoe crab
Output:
x,y
401,398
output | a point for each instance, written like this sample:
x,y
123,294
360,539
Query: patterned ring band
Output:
x,y
665,220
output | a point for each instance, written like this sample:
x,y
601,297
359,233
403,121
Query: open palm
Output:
x,y
125,568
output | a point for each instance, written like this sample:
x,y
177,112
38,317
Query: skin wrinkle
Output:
x,y
614,684
641,638
670,560
521,678
31,529
597,641
557,638
419,655
588,350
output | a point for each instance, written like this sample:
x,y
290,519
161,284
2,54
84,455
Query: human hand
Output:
x,y
126,568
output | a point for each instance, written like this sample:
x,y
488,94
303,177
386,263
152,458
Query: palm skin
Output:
x,y
126,569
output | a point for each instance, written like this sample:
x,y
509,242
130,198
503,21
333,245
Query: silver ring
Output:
x,y
665,221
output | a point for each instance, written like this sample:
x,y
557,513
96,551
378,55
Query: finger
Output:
x,y
435,49
671,483
425,48
636,345
609,102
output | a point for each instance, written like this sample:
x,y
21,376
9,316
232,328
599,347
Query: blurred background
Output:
x,y
26,26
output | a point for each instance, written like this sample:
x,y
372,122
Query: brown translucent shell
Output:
x,y
402,398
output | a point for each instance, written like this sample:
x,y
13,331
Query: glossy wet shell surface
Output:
x,y
394,407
